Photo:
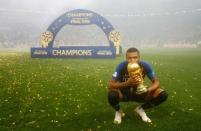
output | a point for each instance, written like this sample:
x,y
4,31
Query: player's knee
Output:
x,y
113,97
163,96
160,98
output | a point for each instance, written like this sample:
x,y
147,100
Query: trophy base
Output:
x,y
141,89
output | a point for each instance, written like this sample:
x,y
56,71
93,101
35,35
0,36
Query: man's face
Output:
x,y
132,57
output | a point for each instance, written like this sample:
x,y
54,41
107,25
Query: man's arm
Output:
x,y
155,85
154,88
151,75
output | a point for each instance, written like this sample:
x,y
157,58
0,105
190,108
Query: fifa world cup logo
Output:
x,y
134,70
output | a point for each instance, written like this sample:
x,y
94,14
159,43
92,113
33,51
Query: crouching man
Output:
x,y
123,88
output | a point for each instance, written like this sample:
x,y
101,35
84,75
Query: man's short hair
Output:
x,y
130,50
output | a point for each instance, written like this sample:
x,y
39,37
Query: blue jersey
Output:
x,y
121,73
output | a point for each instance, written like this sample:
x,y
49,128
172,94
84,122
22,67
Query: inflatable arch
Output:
x,y
78,17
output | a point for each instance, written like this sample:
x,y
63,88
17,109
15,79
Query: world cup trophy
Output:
x,y
134,70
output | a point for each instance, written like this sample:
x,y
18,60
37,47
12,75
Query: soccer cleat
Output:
x,y
139,110
118,117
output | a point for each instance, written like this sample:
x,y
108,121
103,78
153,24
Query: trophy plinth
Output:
x,y
134,70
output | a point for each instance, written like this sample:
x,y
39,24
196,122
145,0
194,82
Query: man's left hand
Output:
x,y
149,94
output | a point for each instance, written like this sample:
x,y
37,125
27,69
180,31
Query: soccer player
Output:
x,y
122,88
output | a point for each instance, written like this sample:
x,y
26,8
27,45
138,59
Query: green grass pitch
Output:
x,y
71,94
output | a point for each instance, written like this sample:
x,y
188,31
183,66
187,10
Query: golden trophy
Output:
x,y
46,38
114,36
134,70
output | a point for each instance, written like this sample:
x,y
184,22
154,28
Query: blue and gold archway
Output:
x,y
78,17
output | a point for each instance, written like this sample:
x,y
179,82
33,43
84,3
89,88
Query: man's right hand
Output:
x,y
117,85
131,82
